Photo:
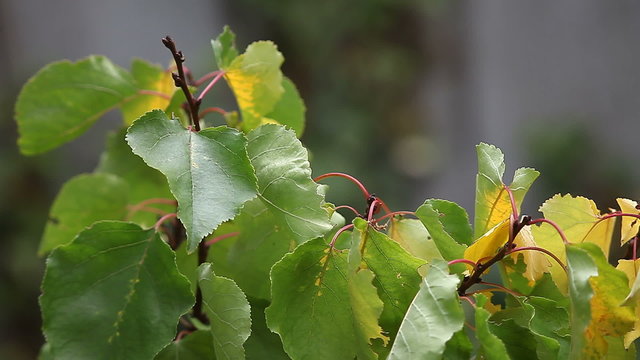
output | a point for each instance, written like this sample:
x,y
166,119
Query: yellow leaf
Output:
x,y
489,244
579,218
536,261
631,268
630,225
547,238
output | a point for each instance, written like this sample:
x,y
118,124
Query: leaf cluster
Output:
x,y
195,241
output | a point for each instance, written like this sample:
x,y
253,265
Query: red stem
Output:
x,y
348,207
394,213
501,287
496,287
337,234
210,110
616,214
372,209
206,90
463,261
468,299
535,248
163,219
560,232
364,190
142,206
634,257
514,207
208,76
220,238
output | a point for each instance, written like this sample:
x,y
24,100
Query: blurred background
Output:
x,y
398,94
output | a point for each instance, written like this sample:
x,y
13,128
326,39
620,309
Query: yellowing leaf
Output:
x,y
488,244
537,262
597,292
630,225
608,318
152,79
631,268
579,218
256,81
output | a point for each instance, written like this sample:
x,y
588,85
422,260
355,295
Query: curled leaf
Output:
x,y
630,225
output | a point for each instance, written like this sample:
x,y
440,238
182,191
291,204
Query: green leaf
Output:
x,y
491,347
144,183
320,307
261,242
414,238
256,81
113,293
492,201
228,311
454,220
262,344
581,267
290,109
195,346
396,272
83,200
459,347
151,78
433,318
64,99
284,182
188,265
288,211
208,171
224,48
259,245
547,288
444,220
549,322
519,341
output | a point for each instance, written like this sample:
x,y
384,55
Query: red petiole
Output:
x,y
364,190
220,238
463,261
555,226
535,248
337,234
163,219
348,207
206,90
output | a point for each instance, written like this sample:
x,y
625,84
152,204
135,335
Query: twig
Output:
x,y
180,81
